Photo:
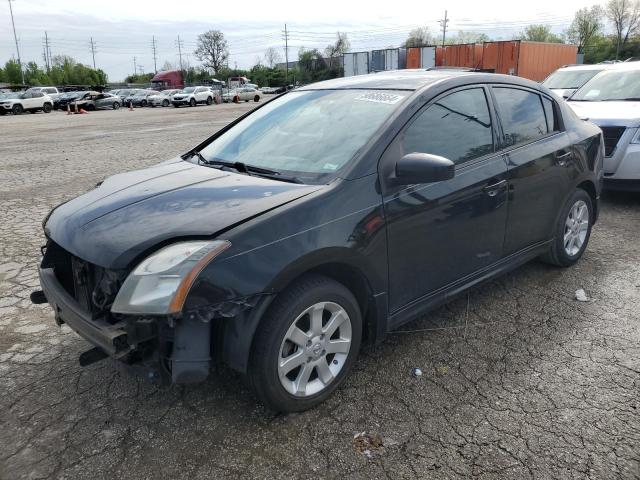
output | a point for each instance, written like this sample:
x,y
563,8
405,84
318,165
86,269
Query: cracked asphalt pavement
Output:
x,y
526,383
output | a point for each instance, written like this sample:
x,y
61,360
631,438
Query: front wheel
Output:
x,y
209,100
192,102
46,108
572,232
17,109
165,103
305,345
143,103
115,105
256,98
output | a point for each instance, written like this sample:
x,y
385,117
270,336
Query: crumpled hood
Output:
x,y
604,114
132,212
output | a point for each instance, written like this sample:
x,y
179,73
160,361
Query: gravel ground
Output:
x,y
529,384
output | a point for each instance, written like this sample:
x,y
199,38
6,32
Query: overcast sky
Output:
x,y
124,29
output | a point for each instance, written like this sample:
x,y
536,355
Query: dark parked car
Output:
x,y
328,216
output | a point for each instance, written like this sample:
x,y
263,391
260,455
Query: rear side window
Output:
x,y
457,127
522,115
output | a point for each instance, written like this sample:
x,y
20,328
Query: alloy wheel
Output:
x,y
314,349
576,228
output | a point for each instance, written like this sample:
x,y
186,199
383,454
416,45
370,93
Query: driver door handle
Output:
x,y
494,188
561,158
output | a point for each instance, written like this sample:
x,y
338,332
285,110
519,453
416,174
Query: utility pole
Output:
x,y
155,57
93,53
135,68
179,44
47,52
286,55
15,37
443,23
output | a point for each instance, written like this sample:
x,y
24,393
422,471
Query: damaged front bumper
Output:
x,y
164,349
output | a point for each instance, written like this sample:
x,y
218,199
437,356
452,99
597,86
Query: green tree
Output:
x,y
336,50
419,37
540,33
212,50
586,25
468,37
625,17
12,72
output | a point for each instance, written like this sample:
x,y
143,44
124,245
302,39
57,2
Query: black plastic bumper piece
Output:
x,y
111,338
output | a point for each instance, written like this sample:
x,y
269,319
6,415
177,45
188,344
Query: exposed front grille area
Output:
x,y
611,138
93,287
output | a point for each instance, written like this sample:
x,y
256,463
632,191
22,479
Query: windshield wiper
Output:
x,y
246,169
630,99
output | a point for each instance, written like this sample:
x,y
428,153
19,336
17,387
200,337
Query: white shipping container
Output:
x,y
356,63
428,57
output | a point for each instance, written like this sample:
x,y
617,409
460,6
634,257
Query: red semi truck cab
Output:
x,y
168,79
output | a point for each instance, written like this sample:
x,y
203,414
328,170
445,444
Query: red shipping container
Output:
x,y
413,57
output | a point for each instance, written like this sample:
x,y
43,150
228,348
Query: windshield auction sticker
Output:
x,y
380,97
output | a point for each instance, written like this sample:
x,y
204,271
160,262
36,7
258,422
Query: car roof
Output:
x,y
624,66
594,66
414,80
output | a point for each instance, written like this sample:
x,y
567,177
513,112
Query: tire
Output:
x,y
175,105
17,109
115,105
165,103
90,108
271,341
209,100
571,224
256,98
192,102
143,103
47,107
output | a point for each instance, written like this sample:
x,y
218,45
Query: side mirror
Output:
x,y
423,168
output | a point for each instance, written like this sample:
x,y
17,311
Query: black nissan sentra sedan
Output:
x,y
326,217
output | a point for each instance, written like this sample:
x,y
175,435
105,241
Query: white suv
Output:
x,y
26,102
192,96
611,100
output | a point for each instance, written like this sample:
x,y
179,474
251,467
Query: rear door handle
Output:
x,y
493,189
561,158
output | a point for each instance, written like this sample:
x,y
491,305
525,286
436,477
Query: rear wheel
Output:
x,y
46,108
305,345
256,98
143,103
90,107
17,109
192,102
165,103
209,100
573,231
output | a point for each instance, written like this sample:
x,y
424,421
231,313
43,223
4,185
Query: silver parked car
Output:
x,y
566,80
611,100
162,98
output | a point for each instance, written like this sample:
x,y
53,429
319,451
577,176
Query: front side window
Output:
x,y
522,115
457,127
307,134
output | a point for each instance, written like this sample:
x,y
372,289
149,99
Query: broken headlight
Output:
x,y
160,283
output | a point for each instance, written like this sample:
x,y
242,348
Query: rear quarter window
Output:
x,y
522,115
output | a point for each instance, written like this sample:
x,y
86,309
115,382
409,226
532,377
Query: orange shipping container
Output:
x,y
463,55
439,56
532,60
413,57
